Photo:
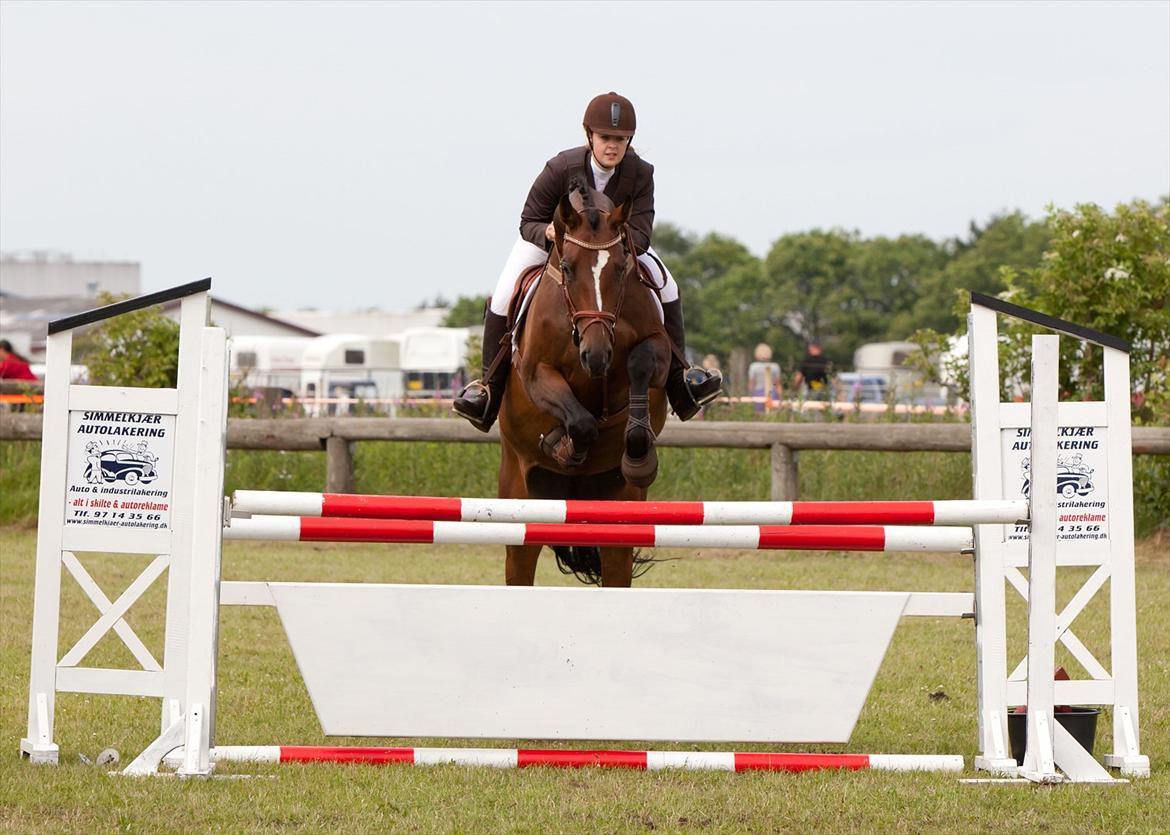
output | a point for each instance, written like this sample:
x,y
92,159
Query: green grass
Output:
x,y
262,700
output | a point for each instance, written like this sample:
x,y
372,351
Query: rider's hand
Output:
x,y
549,232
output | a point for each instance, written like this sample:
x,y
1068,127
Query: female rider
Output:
x,y
608,163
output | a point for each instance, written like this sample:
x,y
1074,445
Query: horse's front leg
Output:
x,y
617,567
551,393
520,564
646,363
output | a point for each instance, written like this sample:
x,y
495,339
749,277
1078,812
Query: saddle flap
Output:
x,y
517,305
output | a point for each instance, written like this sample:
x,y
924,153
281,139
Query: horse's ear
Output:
x,y
565,217
622,213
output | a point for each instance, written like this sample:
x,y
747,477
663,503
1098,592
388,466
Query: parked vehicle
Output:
x,y
853,387
340,367
433,361
886,361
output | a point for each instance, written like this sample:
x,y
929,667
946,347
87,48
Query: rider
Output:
x,y
609,164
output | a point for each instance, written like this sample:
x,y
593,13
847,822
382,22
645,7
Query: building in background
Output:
x,y
54,275
372,322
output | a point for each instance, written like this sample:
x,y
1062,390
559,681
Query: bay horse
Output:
x,y
585,400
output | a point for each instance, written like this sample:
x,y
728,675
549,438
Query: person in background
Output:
x,y
813,374
12,365
764,378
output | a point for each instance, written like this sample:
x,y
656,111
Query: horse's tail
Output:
x,y
584,562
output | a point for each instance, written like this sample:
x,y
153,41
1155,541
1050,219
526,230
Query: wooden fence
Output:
x,y
785,440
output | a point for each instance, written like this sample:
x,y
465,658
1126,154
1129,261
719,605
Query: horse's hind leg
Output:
x,y
520,564
647,361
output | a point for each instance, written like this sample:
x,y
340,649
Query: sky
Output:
x,y
349,156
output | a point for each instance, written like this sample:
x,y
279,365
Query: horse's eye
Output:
x,y
567,270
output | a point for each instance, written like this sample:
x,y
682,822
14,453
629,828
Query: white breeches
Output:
x,y
524,255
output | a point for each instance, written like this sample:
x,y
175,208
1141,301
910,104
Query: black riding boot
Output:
x,y
688,389
480,399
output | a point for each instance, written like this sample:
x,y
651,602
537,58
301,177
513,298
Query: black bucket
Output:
x,y
1081,722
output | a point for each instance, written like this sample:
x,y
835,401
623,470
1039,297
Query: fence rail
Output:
x,y
337,435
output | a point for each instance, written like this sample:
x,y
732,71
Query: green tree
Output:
x,y
135,349
1109,272
885,285
808,281
699,273
671,242
466,312
975,264
740,310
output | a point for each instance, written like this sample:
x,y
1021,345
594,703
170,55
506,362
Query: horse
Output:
x,y
585,401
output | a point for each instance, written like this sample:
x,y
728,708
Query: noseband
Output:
x,y
589,317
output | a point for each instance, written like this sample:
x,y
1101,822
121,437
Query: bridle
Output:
x,y
589,317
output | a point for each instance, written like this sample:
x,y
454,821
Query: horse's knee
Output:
x,y
583,430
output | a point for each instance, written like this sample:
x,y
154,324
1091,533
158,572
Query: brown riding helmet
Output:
x,y
610,114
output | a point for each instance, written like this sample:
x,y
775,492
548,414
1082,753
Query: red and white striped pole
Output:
x,y
560,758
269,502
757,537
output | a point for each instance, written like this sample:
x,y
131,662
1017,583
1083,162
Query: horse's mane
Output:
x,y
588,201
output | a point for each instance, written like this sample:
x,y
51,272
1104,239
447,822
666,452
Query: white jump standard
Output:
x,y
719,666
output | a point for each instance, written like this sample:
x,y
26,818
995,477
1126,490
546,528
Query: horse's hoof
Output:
x,y
558,445
640,472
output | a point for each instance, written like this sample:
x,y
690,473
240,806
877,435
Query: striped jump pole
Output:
x,y
436,508
559,758
756,537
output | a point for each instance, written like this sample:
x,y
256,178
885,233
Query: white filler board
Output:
x,y
560,663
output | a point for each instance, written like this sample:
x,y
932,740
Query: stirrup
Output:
x,y
696,378
476,384
477,419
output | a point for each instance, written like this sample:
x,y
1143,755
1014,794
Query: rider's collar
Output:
x,y
599,171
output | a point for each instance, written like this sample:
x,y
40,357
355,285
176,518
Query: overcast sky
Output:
x,y
375,154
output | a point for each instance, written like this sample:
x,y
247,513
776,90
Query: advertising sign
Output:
x,y
120,470
1082,505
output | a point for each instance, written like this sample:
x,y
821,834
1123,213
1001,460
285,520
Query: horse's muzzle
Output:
x,y
596,361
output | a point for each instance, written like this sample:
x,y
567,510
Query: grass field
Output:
x,y
263,701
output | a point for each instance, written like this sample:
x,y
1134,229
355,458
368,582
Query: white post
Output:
x,y
38,746
987,483
1039,765
1126,754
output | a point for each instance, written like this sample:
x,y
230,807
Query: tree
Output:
x,y
466,312
1109,272
135,349
670,242
808,277
886,277
1008,240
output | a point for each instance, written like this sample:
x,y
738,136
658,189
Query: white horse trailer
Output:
x,y
268,361
886,360
433,361
337,369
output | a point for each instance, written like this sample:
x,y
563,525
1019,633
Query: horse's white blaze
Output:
x,y
602,260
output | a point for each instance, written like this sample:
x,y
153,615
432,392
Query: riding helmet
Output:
x,y
610,114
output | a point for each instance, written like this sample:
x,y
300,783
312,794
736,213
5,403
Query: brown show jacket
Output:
x,y
633,177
